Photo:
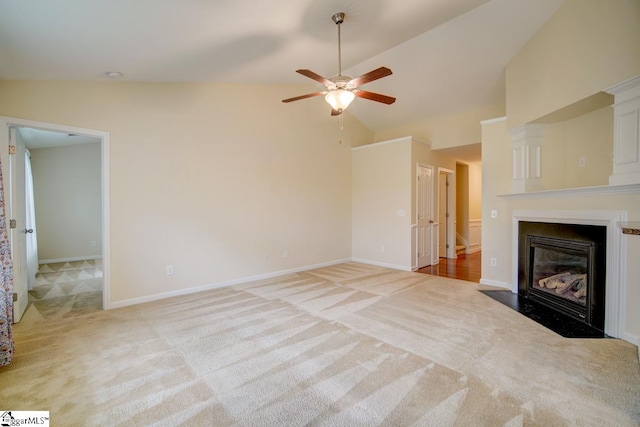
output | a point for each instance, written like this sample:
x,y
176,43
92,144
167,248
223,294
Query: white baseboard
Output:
x,y
79,258
473,249
490,282
633,340
188,291
383,264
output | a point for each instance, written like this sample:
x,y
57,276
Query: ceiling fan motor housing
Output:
x,y
342,82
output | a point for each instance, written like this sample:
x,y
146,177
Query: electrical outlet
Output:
x,y
381,248
494,213
169,270
265,257
494,262
93,243
285,253
582,162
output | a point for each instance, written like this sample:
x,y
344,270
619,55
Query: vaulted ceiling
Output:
x,y
447,56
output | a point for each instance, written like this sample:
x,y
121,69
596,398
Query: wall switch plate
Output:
x,y
381,248
265,257
285,253
494,213
494,262
582,162
94,244
169,270
401,213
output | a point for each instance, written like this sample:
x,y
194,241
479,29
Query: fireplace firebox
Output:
x,y
563,266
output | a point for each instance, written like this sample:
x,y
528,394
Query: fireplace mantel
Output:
x,y
603,190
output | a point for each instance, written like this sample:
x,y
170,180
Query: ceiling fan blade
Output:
x,y
374,96
309,95
335,112
376,74
314,76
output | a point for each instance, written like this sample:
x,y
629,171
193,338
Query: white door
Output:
x,y
424,201
15,186
442,214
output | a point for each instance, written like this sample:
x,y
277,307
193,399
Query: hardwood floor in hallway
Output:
x,y
465,267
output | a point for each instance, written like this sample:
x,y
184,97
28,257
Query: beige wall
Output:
x,y
381,187
446,131
68,201
462,200
496,180
586,47
208,177
384,182
475,191
589,136
468,199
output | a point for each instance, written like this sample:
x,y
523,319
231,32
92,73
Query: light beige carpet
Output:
x,y
347,345
66,289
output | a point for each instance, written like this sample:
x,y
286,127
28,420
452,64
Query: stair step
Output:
x,y
460,249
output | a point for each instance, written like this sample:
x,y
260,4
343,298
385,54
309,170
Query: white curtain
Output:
x,y
32,240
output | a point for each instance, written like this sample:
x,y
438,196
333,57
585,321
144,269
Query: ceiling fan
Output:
x,y
341,90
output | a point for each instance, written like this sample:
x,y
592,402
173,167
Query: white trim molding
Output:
x,y
576,192
72,259
475,236
6,122
496,283
383,264
391,141
492,121
616,280
526,142
239,281
626,132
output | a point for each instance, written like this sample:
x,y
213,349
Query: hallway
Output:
x,y
465,267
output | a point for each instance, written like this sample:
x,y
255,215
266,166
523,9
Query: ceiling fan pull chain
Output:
x,y
341,127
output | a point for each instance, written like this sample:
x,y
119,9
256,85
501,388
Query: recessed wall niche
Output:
x,y
577,152
569,148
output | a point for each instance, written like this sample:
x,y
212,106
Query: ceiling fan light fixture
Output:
x,y
339,99
340,89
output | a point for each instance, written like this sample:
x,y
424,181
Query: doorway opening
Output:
x,y
79,263
446,208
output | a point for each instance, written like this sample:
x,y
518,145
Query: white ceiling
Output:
x,y
447,56
38,138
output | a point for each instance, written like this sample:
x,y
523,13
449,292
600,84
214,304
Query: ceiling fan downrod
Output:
x,y
338,18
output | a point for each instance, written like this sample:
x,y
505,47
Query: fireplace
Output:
x,y
563,266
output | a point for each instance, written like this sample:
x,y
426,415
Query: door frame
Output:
x,y
15,204
451,208
7,122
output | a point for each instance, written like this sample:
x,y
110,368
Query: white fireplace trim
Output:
x,y
616,280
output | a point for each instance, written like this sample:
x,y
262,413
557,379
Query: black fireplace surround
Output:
x,y
563,266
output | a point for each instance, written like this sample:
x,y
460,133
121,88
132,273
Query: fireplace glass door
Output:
x,y
561,274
